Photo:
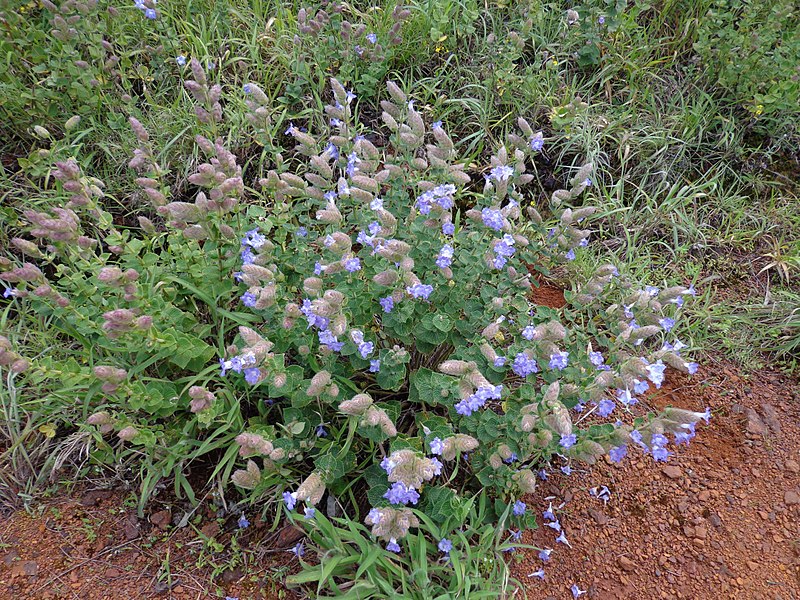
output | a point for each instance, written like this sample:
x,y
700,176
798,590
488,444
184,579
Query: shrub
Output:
x,y
377,346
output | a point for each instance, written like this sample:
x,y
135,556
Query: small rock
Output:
x,y
792,466
161,519
771,417
672,471
599,517
755,425
715,520
704,496
626,563
791,497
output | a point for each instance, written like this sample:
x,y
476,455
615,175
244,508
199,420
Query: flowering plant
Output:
x,y
376,335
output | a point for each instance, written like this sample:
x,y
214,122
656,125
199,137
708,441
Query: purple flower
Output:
x,y
692,367
448,228
640,387
309,513
655,373
326,338
667,323
568,441
420,290
537,141
545,554
605,407
224,366
374,365
352,265
624,396
445,545
559,360
290,499
542,474
150,14
523,365
249,299
596,358
549,514
399,493
243,522
298,550
519,508
539,574
601,19
516,535
555,525
375,515
511,459
706,415
320,431
254,239
387,303
392,546
372,38
247,256
501,173
576,591
437,466
499,361
445,257
562,539
492,218
566,470
252,375
181,60
436,124
570,255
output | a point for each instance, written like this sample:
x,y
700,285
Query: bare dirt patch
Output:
x,y
719,520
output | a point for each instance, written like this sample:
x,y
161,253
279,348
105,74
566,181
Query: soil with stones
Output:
x,y
720,519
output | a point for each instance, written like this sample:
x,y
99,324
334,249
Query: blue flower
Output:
x,y
437,446
290,499
555,525
320,431
559,360
501,173
437,466
374,365
309,513
499,361
492,218
601,19
375,515
352,264
570,255
445,545
372,38
549,514
545,554
576,591
516,535
387,303
243,522
252,375
519,508
566,470
692,367
568,441
301,232
247,88
420,290
393,546
537,141
562,539
445,257
181,60
298,550
400,493
605,407
523,365
529,332
249,299
150,14
596,358
448,228
539,574
667,323
542,474
436,124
